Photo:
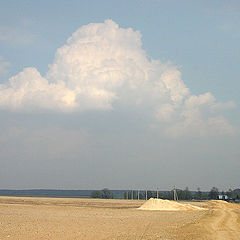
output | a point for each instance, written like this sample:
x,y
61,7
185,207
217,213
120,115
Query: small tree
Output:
x,y
150,194
181,194
213,194
106,193
199,194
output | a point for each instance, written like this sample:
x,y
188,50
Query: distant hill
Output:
x,y
45,193
119,194
55,193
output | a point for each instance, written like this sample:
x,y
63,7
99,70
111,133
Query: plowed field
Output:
x,y
65,218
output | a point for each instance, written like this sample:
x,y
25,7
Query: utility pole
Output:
x,y
146,195
138,194
157,193
175,196
132,194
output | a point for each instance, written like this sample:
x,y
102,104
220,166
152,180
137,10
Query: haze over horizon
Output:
x,y
139,94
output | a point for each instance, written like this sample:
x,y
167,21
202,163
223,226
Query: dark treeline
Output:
x,y
185,194
105,194
182,194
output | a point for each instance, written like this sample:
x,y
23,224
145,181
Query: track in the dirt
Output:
x,y
225,224
222,222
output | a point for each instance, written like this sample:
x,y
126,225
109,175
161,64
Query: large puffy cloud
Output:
x,y
101,64
29,90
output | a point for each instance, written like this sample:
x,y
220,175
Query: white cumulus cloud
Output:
x,y
102,63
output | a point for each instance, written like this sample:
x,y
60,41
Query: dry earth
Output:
x,y
65,218
222,222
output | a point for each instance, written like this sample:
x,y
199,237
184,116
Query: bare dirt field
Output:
x,y
65,218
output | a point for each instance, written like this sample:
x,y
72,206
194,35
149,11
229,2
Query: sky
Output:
x,y
119,94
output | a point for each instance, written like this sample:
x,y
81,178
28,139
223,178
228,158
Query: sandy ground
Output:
x,y
222,222
64,218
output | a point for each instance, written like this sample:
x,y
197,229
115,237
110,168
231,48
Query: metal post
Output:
x,y
175,196
138,194
132,194
157,193
146,194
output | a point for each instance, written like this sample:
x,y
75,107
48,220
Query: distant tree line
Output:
x,y
105,194
232,194
185,194
150,194
182,194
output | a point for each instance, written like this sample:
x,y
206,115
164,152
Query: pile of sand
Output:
x,y
166,205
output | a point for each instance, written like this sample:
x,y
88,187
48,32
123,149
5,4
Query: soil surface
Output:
x,y
66,218
222,222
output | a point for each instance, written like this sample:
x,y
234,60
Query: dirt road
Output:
x,y
222,222
225,222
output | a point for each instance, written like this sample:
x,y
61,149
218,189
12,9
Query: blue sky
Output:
x,y
198,40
